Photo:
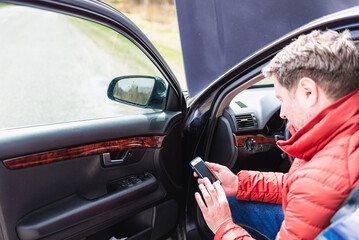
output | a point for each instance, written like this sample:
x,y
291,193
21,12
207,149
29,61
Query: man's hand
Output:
x,y
216,210
228,179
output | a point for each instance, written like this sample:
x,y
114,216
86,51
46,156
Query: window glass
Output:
x,y
265,82
56,68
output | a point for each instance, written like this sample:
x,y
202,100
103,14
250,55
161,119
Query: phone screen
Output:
x,y
200,167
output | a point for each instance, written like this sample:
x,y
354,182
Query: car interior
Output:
x,y
248,130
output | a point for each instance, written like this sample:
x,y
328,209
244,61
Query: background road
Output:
x,y
52,71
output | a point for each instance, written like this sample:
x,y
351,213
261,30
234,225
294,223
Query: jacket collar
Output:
x,y
312,137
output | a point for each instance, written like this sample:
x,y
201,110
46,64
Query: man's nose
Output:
x,y
281,114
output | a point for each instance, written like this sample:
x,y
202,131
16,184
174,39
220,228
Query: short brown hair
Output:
x,y
330,58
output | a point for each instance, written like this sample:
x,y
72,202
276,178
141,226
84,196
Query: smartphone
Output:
x,y
201,168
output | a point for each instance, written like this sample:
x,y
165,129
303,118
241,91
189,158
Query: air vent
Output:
x,y
245,121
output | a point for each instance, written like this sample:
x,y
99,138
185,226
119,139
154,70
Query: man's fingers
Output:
x,y
214,205
219,190
210,187
207,197
222,199
214,166
200,202
213,201
200,181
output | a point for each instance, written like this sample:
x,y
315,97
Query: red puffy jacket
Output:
x,y
326,168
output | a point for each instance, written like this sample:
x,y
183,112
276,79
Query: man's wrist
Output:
x,y
235,187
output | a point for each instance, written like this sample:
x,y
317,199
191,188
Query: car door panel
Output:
x,y
68,212
77,170
77,192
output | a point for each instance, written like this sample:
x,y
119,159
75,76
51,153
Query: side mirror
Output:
x,y
142,91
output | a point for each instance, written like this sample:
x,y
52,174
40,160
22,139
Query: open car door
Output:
x,y
74,163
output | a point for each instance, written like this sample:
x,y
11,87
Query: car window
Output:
x,y
57,68
264,82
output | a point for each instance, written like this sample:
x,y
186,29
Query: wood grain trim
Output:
x,y
83,151
260,139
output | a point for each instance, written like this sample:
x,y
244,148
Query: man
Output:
x,y
316,78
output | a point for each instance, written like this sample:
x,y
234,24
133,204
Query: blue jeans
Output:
x,y
260,220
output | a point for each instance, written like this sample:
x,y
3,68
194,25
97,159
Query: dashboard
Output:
x,y
252,109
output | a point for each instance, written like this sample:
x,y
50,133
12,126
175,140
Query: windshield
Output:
x,y
264,83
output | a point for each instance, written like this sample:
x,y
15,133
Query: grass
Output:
x,y
117,46
4,5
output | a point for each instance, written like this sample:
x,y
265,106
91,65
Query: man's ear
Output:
x,y
309,91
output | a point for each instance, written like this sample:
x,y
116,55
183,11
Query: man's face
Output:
x,y
293,106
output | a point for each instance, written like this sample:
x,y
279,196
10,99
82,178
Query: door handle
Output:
x,y
123,157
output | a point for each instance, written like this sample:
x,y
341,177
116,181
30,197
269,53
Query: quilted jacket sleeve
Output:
x,y
260,186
